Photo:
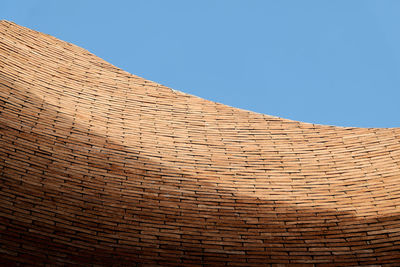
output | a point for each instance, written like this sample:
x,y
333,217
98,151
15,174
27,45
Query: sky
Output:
x,y
323,62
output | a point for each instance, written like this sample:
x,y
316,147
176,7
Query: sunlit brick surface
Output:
x,y
102,167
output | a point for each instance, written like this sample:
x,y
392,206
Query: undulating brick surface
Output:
x,y
101,167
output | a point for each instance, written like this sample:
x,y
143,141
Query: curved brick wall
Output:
x,y
99,166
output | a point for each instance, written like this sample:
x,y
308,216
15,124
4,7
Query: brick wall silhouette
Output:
x,y
101,167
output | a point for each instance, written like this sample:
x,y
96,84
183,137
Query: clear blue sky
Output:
x,y
325,62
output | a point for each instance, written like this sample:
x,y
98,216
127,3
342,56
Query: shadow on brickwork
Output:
x,y
66,201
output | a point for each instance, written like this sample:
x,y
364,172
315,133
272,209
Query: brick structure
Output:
x,y
101,167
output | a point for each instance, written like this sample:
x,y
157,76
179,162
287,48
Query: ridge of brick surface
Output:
x,y
102,167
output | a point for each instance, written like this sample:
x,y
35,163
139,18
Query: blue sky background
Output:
x,y
325,62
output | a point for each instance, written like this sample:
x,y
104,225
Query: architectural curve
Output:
x,y
101,167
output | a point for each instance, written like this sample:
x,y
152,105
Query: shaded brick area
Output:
x,y
101,167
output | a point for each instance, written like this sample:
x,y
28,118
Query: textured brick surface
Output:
x,y
101,167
